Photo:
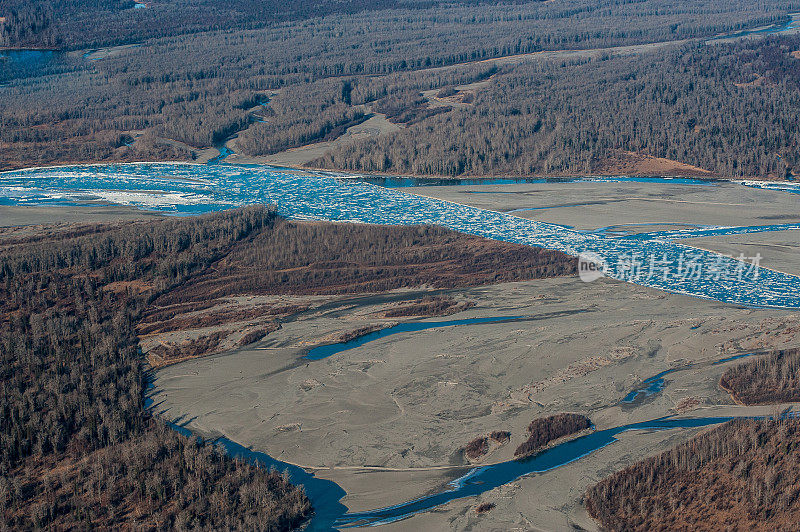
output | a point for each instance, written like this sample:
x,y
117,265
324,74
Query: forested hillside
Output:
x,y
741,476
77,449
728,108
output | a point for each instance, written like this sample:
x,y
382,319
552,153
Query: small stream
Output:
x,y
324,494
655,384
324,351
224,152
703,231
793,23
482,479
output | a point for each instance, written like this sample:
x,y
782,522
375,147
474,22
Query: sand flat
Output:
x,y
593,205
409,402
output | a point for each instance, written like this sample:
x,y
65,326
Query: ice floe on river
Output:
x,y
651,259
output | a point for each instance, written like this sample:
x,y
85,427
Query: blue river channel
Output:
x,y
324,351
194,189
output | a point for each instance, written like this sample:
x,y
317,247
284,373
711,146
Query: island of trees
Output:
x,y
741,475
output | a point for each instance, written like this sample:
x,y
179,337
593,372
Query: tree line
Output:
x,y
93,23
727,108
75,24
77,448
196,86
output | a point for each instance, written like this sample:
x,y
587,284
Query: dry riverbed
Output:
x,y
405,405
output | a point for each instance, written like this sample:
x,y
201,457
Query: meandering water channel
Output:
x,y
324,351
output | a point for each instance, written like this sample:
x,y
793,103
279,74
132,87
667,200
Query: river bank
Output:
x,y
18,216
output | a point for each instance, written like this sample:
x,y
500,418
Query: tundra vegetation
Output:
x,y
484,507
338,258
77,447
500,436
